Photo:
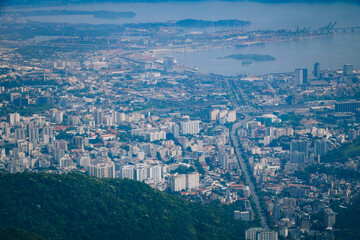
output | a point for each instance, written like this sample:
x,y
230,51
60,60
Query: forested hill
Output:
x,y
348,221
75,206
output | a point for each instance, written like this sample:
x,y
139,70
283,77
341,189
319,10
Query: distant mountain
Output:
x,y
62,2
75,206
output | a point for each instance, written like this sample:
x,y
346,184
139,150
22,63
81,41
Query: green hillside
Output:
x,y
18,234
343,153
348,222
75,206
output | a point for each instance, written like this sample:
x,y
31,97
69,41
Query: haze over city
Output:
x,y
155,119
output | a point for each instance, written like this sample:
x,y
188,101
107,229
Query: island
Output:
x,y
95,14
249,58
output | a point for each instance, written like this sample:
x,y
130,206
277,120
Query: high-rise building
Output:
x,y
352,134
108,120
301,76
61,144
58,154
329,217
57,116
102,170
317,70
98,117
214,114
224,160
260,234
321,147
300,146
155,135
178,182
118,117
47,131
33,134
190,127
78,141
154,172
175,130
297,157
232,116
192,180
267,235
19,133
348,69
251,234
243,215
141,172
127,172
84,161
277,211
169,64
13,118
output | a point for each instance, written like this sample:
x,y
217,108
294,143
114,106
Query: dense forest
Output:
x,y
75,206
348,221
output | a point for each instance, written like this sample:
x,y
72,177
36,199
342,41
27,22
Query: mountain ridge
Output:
x,y
75,206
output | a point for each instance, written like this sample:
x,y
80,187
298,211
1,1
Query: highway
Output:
x,y
235,140
244,169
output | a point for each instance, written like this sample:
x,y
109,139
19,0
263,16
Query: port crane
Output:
x,y
302,30
328,28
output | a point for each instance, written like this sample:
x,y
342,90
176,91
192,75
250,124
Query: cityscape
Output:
x,y
281,150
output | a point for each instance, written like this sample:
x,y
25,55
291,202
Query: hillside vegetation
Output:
x,y
343,153
75,206
348,222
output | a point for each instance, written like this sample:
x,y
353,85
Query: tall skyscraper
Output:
x,y
317,70
301,76
98,117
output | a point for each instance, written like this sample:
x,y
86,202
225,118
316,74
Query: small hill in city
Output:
x,y
75,206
